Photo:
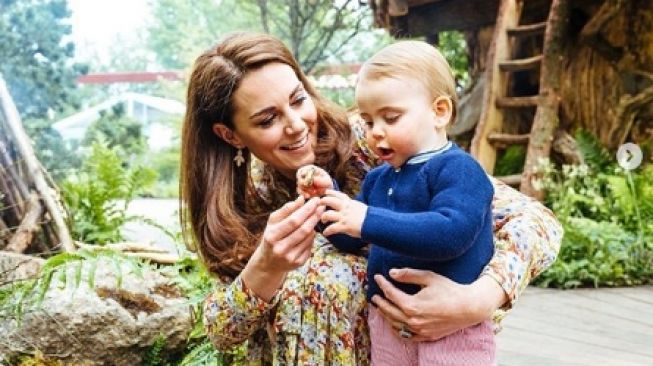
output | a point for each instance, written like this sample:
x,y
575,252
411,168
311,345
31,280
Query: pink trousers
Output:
x,y
472,346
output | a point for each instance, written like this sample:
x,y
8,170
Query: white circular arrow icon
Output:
x,y
629,156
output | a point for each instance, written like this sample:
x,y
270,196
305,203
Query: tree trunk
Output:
x,y
608,73
606,70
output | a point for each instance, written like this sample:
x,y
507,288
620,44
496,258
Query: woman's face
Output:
x,y
275,118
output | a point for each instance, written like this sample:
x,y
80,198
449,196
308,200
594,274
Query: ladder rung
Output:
x,y
511,180
508,139
518,102
521,64
527,30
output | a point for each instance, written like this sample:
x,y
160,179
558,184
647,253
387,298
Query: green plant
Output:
x,y
195,282
166,165
17,297
606,213
596,156
119,132
453,46
599,253
153,354
342,97
511,161
98,195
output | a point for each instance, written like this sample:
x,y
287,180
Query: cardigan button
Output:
x,y
390,192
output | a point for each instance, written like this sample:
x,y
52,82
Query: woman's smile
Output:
x,y
296,145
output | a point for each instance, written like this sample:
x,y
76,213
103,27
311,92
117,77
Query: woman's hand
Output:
x,y
313,181
286,244
345,215
441,307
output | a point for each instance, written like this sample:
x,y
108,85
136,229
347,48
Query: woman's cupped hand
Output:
x,y
288,236
286,244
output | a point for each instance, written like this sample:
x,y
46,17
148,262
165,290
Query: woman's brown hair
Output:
x,y
219,205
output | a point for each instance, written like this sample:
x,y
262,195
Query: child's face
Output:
x,y
401,118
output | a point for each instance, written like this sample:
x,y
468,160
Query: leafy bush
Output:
x,y
166,164
599,253
98,195
121,133
607,214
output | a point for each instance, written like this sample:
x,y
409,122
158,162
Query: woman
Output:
x,y
252,120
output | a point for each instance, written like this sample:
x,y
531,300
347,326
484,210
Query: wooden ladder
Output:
x,y
489,135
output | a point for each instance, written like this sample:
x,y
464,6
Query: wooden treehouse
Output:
x,y
540,70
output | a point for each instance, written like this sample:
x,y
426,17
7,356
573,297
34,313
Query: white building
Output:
x,y
153,112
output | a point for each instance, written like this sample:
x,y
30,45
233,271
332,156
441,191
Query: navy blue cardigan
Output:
x,y
433,213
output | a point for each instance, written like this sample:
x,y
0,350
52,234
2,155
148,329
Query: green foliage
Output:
x,y
454,48
18,297
511,162
342,97
314,30
98,195
194,280
599,253
596,156
607,214
119,132
180,30
166,164
36,57
153,354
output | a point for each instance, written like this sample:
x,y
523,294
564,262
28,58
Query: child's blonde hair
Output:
x,y
417,60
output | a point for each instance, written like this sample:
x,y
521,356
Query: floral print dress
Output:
x,y
319,315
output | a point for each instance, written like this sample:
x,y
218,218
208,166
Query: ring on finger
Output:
x,y
405,333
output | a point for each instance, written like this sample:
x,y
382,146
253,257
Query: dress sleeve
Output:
x,y
527,239
233,313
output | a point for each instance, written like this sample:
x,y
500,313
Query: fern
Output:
x,y
20,297
152,355
607,216
595,155
97,197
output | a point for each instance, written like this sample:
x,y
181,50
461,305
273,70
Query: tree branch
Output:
x,y
628,108
23,235
591,32
264,11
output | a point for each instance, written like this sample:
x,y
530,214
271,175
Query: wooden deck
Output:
x,y
579,327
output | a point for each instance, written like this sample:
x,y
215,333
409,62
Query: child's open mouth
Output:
x,y
385,153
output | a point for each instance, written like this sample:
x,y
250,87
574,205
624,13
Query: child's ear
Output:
x,y
227,134
443,108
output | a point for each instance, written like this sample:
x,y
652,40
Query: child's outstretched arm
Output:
x,y
313,181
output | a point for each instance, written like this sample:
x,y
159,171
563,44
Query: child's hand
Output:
x,y
345,214
313,181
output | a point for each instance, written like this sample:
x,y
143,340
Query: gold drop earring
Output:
x,y
239,159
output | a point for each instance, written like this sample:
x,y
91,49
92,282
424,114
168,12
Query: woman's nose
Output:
x,y
294,124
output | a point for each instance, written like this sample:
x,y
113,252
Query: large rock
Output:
x,y
15,267
104,325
